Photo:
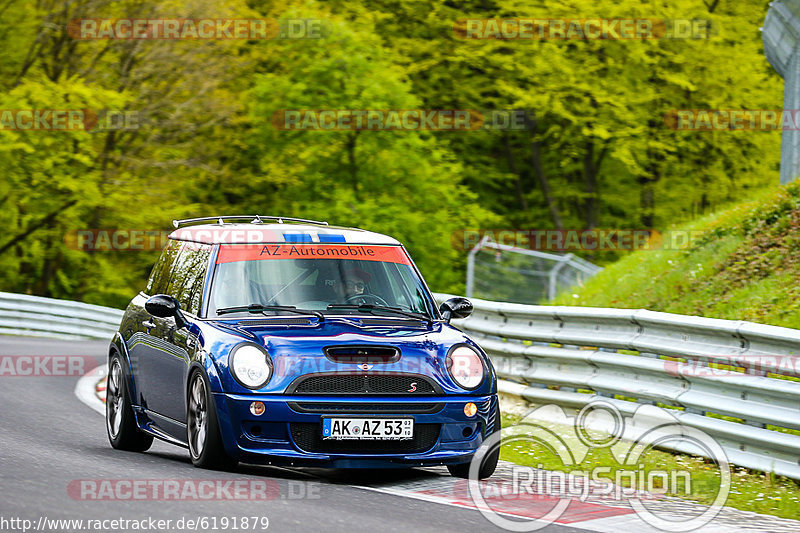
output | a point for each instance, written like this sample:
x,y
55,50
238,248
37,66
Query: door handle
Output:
x,y
148,324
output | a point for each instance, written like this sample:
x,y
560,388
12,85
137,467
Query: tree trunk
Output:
x,y
648,194
538,169
647,203
590,186
518,184
351,157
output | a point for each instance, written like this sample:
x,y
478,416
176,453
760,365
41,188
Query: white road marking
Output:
x,y
86,390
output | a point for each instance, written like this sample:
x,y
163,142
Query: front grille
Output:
x,y
363,383
307,437
366,407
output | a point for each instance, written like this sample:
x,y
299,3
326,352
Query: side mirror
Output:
x,y
165,306
456,308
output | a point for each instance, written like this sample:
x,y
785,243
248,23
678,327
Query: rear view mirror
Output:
x,y
165,306
456,308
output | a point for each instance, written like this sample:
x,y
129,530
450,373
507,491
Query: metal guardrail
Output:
x,y
572,356
21,314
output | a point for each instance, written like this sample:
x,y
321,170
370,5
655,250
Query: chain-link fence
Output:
x,y
504,273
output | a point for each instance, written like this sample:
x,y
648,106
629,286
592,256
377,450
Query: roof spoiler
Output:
x,y
254,219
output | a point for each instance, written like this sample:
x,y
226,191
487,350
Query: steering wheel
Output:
x,y
366,299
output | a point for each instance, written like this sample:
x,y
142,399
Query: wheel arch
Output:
x,y
206,367
118,346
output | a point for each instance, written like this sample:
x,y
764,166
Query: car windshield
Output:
x,y
330,278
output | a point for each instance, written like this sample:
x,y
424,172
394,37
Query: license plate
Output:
x,y
368,428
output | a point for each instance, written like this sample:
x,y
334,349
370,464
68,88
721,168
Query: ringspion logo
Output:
x,y
599,424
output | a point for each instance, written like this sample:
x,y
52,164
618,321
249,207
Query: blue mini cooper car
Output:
x,y
286,341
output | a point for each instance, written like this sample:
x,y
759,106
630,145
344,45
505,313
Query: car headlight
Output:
x,y
251,366
465,367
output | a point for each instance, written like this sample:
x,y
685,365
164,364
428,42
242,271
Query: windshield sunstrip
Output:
x,y
250,252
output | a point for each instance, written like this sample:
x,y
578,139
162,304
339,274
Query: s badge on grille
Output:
x,y
413,387
364,366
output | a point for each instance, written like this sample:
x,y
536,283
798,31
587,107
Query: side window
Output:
x,y
159,278
200,266
188,274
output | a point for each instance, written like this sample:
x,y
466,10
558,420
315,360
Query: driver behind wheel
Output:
x,y
354,283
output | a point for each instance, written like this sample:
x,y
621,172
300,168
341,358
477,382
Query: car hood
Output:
x,y
297,346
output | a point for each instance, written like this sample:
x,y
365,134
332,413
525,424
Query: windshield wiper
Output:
x,y
258,308
385,308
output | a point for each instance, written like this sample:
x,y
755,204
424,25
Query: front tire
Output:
x,y
489,462
123,433
202,428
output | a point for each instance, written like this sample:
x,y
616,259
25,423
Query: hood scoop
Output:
x,y
365,353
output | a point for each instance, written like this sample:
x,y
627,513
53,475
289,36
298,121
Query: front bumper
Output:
x,y
289,430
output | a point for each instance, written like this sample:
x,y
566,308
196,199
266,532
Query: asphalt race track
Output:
x,y
49,439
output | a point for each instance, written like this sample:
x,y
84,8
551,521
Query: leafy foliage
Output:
x,y
595,151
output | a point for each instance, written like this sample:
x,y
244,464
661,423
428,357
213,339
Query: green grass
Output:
x,y
749,491
742,264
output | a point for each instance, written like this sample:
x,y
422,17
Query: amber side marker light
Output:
x,y
257,408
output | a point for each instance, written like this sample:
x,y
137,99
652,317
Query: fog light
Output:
x,y
470,409
257,408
